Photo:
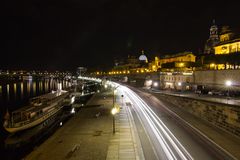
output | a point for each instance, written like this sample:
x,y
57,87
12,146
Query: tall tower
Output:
x,y
213,39
214,32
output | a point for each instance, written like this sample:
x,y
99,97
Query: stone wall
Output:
x,y
138,80
226,117
217,78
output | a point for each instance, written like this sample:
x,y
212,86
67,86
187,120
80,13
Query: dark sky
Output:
x,y
65,34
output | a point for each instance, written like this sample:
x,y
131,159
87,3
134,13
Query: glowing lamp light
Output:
x,y
228,83
59,86
181,64
179,83
106,86
155,84
212,65
73,111
72,99
114,111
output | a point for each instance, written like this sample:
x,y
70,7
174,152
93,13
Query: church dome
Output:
x,y
143,57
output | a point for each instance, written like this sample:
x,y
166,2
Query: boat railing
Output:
x,y
22,123
15,113
23,118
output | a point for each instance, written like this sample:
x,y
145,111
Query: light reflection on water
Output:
x,y
8,94
14,95
15,90
22,92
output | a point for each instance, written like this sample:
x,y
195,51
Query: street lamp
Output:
x,y
114,109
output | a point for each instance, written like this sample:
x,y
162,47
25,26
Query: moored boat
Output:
x,y
27,78
39,109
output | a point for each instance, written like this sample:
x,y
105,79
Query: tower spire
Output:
x,y
214,31
213,21
213,38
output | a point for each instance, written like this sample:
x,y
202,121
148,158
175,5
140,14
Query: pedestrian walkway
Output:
x,y
88,135
125,143
84,137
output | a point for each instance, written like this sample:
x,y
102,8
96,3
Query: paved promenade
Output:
x,y
88,135
125,143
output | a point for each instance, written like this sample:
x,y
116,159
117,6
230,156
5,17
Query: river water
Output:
x,y
15,94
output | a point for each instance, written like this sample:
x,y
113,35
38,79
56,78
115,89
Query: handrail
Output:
x,y
22,123
44,105
58,102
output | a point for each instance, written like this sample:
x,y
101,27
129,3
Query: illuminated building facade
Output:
x,y
225,53
176,80
178,62
176,70
229,42
180,57
155,64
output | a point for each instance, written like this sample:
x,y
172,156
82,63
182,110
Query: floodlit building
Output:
x,y
229,42
176,80
226,53
183,61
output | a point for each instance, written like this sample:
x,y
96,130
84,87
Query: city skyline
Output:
x,y
64,35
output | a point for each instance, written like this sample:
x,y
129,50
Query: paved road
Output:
x,y
167,139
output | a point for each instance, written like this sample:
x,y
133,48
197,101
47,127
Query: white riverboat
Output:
x,y
40,109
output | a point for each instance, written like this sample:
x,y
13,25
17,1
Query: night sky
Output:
x,y
62,35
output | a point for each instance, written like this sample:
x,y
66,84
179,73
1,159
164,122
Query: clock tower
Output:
x,y
212,40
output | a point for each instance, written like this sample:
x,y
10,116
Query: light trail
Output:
x,y
171,147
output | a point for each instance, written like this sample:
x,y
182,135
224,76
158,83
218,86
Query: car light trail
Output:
x,y
171,147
